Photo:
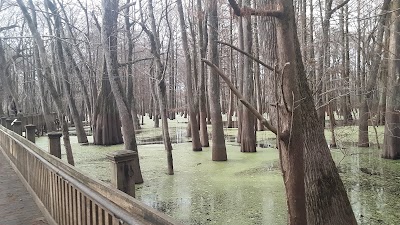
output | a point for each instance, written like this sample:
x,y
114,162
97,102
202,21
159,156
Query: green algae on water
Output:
x,y
248,188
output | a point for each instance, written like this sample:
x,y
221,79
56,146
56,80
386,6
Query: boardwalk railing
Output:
x,y
68,197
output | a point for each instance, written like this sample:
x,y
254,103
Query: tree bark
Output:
x,y
391,149
106,122
326,197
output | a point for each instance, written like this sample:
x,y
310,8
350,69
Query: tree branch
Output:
x,y
133,62
127,6
96,21
241,98
338,7
7,28
248,55
264,11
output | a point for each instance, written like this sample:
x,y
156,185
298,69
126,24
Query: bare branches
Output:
x,y
7,27
263,11
241,98
248,55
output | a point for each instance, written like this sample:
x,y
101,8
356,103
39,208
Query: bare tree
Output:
x,y
47,76
196,145
153,36
110,45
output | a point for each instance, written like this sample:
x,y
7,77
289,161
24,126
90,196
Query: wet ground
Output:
x,y
248,188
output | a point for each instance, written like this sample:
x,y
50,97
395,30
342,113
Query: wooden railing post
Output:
x,y
8,123
55,144
22,118
3,121
35,121
29,119
17,127
122,170
30,132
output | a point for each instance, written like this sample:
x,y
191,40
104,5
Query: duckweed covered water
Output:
x,y
248,188
372,184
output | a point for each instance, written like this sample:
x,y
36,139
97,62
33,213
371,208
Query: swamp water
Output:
x,y
248,188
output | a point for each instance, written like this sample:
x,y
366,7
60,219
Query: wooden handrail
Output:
x,y
69,196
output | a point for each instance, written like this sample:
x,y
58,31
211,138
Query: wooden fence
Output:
x,y
68,197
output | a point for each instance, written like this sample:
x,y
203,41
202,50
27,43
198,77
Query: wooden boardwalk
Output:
x,y
17,207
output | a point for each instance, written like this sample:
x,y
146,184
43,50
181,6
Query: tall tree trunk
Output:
x,y
72,61
291,152
6,80
240,77
349,116
391,148
345,99
48,77
129,70
248,137
160,79
80,132
196,145
171,82
383,84
109,41
106,122
321,174
45,107
203,41
218,140
232,74
257,74
155,109
289,130
366,99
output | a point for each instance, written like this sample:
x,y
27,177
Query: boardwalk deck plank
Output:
x,y
17,207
